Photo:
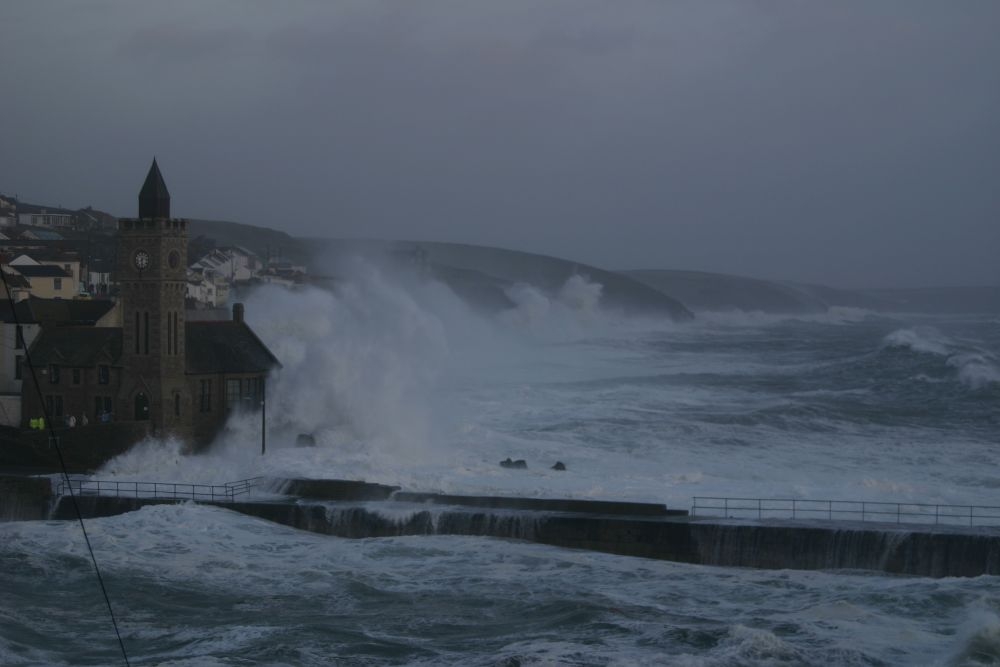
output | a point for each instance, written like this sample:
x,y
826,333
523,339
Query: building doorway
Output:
x,y
141,407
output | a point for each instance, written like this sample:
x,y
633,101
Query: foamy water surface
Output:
x,y
402,383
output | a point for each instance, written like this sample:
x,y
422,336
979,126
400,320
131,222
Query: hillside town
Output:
x,y
67,301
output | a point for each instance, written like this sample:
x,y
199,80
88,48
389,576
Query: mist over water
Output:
x,y
402,382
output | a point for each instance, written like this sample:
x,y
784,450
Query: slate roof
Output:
x,y
211,347
39,271
7,310
225,347
79,347
68,311
16,280
154,199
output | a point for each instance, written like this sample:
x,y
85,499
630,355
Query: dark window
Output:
x,y
57,283
170,333
137,333
76,376
205,399
103,375
232,393
141,407
18,366
53,374
145,332
98,407
177,405
250,389
54,406
107,405
18,337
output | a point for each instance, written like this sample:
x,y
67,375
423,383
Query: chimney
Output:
x,y
237,312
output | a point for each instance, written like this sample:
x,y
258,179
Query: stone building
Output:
x,y
180,378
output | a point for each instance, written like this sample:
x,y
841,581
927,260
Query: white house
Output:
x,y
233,264
206,288
41,216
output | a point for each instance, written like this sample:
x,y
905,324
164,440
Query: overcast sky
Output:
x,y
851,143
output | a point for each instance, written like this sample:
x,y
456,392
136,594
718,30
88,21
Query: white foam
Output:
x,y
977,641
836,315
920,339
976,370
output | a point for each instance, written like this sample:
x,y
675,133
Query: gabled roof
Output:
x,y
7,311
68,311
16,280
39,270
211,347
80,347
225,347
154,199
50,255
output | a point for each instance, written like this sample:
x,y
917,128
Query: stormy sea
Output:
x,y
404,383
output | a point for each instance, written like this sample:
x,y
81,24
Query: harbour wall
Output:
x,y
650,531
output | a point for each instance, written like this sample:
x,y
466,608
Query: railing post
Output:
x,y
725,507
758,509
936,508
829,510
863,508
970,514
793,508
897,512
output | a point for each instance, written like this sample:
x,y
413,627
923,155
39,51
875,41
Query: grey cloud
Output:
x,y
849,143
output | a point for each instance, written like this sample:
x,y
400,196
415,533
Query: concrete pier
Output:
x,y
360,510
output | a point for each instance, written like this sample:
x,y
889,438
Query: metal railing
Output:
x,y
216,492
845,510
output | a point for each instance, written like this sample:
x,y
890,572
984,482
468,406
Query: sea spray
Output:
x,y
362,371
639,410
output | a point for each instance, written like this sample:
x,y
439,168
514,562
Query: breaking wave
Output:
x,y
975,367
919,339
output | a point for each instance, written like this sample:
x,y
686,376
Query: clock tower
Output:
x,y
152,275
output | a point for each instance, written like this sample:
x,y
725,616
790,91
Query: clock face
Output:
x,y
141,260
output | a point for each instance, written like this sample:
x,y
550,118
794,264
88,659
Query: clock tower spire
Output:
x,y
152,274
154,199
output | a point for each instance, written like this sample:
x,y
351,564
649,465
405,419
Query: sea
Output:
x,y
401,382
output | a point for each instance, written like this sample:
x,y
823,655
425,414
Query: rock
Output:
x,y
559,466
519,464
305,440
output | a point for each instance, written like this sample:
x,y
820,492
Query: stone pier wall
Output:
x,y
923,551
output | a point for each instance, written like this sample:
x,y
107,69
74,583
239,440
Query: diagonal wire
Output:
x,y
62,465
